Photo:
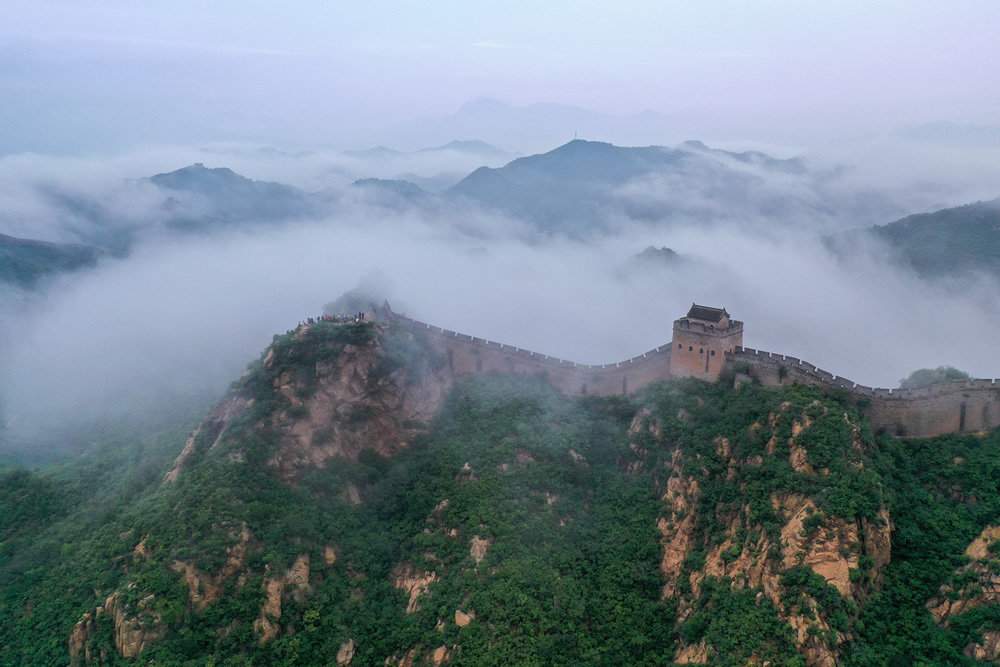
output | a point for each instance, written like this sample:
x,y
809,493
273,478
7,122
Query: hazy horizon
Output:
x,y
886,102
112,75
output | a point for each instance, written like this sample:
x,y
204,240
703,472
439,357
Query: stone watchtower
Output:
x,y
701,341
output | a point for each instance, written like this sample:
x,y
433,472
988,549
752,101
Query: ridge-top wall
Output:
x,y
952,407
955,407
467,354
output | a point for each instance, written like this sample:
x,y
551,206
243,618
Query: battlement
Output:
x,y
700,349
686,324
951,407
827,378
468,354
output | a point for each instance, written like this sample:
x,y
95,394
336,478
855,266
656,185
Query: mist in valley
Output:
x,y
183,312
349,138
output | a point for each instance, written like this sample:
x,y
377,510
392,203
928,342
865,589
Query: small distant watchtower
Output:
x,y
701,341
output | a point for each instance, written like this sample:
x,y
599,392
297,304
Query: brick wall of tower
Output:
x,y
698,350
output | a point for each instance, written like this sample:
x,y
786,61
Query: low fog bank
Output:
x,y
181,316
185,318
108,201
100,198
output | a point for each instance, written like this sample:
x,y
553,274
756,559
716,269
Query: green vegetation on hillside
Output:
x,y
950,242
942,493
529,526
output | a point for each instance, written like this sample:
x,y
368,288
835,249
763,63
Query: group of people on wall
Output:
x,y
342,318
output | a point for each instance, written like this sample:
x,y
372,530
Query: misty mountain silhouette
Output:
x,y
199,196
28,263
577,187
950,242
396,194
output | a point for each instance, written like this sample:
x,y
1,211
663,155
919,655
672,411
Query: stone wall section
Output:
x,y
467,355
954,407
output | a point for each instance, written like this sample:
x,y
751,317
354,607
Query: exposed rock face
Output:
x,y
478,548
329,554
265,627
694,654
827,550
204,589
350,409
343,407
276,588
677,530
346,653
441,655
980,547
462,618
78,640
213,426
415,583
136,628
418,656
981,587
988,650
830,546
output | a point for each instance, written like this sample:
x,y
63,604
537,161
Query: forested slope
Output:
x,y
351,503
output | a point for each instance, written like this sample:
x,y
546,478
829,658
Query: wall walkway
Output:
x,y
467,354
954,407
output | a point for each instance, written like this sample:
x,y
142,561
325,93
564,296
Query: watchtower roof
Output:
x,y
707,313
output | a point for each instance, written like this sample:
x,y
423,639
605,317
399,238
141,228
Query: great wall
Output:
x,y
954,407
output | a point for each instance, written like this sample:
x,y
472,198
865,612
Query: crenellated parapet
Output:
x,y
468,354
951,407
705,343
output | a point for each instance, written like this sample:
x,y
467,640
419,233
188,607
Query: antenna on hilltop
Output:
x,y
574,135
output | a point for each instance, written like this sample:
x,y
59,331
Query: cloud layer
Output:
x,y
184,315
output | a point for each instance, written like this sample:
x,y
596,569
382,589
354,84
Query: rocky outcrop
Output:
x,y
413,582
980,587
693,654
346,653
294,583
266,626
204,589
136,627
678,527
418,655
360,400
830,546
351,407
79,639
329,554
478,547
211,428
987,650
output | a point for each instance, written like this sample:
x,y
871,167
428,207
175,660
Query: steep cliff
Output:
x,y
350,501
757,521
326,390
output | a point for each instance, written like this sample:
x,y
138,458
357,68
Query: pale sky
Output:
x,y
84,77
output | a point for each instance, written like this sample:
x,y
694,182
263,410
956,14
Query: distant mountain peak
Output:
x,y
185,176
